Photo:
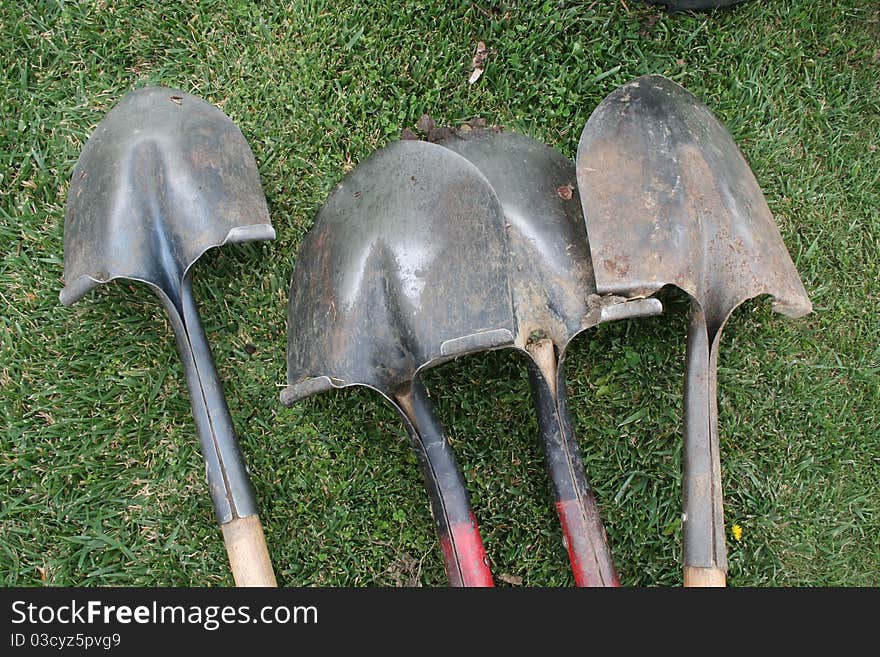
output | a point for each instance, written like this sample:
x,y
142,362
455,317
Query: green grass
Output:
x,y
101,479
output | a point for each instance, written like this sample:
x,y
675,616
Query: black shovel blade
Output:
x,y
669,199
551,276
550,272
163,178
405,267
554,297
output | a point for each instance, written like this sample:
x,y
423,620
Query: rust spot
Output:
x,y
322,238
565,192
618,265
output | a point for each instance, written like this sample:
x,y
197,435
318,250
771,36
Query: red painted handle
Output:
x,y
465,556
579,534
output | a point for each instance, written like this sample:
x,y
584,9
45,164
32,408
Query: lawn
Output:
x,y
101,478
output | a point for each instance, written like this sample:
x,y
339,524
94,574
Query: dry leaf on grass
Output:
x,y
440,134
478,62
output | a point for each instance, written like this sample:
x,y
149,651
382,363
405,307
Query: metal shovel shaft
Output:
x,y
704,547
230,486
231,489
463,552
582,528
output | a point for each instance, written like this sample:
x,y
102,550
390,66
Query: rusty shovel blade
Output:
x,y
669,199
164,177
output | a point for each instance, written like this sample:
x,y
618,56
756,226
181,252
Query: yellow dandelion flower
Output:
x,y
737,532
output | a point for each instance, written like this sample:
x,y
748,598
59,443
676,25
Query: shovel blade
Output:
x,y
164,177
669,199
405,267
551,276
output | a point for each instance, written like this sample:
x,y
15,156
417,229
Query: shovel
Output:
x,y
163,178
669,199
404,269
554,299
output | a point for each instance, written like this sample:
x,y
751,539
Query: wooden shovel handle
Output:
x,y
704,577
248,554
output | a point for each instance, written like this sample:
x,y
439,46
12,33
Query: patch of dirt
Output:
x,y
406,571
426,129
513,580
